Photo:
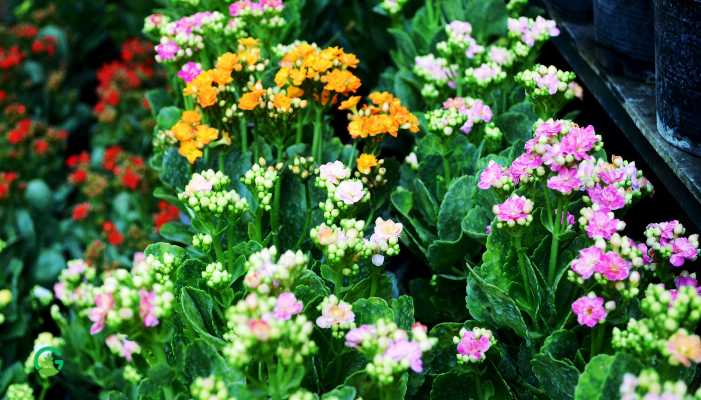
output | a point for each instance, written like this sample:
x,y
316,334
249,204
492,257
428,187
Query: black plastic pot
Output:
x,y
678,76
624,31
578,11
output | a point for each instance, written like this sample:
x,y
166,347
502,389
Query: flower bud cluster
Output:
x,y
436,71
337,315
670,317
261,179
131,374
472,345
668,241
216,275
459,113
120,345
302,166
202,241
268,327
648,386
5,300
460,41
19,391
342,192
74,284
209,388
268,273
485,75
391,350
182,38
530,32
392,7
370,171
501,56
46,360
545,81
206,194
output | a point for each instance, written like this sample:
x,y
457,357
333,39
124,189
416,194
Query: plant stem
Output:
x,y
373,283
316,141
275,212
244,134
554,246
522,268
298,130
446,172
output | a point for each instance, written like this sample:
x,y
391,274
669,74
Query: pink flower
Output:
x,y
608,198
104,303
356,336
613,266
523,166
334,172
407,351
473,346
147,308
386,231
514,209
548,81
486,72
492,176
602,224
682,250
335,312
684,348
565,181
260,329
578,142
585,264
121,345
350,192
286,306
167,50
189,71
589,310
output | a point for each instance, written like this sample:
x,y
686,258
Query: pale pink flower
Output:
x,y
121,345
356,336
286,306
682,250
334,172
147,308
585,264
406,351
684,348
589,310
104,303
260,329
198,184
387,230
548,81
335,312
350,191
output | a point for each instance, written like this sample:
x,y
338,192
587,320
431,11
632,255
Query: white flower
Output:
x,y
387,230
334,172
335,312
198,184
378,260
350,192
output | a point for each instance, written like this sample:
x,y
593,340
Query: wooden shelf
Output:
x,y
631,106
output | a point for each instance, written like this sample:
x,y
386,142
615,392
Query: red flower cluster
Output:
x,y
79,162
124,75
129,169
166,213
6,179
81,211
114,236
46,44
11,57
28,136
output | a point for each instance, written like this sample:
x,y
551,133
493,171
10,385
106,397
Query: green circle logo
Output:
x,y
48,369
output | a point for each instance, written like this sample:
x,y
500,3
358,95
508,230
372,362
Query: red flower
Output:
x,y
167,212
130,179
113,235
81,211
111,97
20,132
38,46
109,161
78,177
6,179
25,31
3,95
78,159
41,146
11,58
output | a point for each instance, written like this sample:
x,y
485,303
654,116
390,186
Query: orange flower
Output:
x,y
190,151
350,103
221,76
295,92
385,114
205,134
190,117
366,162
251,100
192,135
183,131
282,102
341,81
229,62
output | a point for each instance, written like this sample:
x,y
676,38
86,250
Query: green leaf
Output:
x,y
426,203
176,232
488,18
383,288
557,378
515,126
403,307
38,194
159,249
475,223
368,388
403,201
310,289
560,344
174,170
489,304
49,264
197,308
459,385
342,392
368,311
293,213
167,117
455,206
157,100
602,377
442,357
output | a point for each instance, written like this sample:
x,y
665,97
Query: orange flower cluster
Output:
x,y
275,100
192,135
384,114
207,85
330,66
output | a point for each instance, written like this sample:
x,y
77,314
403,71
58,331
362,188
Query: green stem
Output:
x,y
298,130
275,212
522,268
555,245
316,141
446,171
243,133
258,228
373,283
597,337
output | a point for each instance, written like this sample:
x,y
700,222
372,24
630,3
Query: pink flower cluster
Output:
x,y
460,34
241,7
609,264
475,111
590,310
189,71
530,31
119,344
433,69
472,345
514,210
167,50
667,240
